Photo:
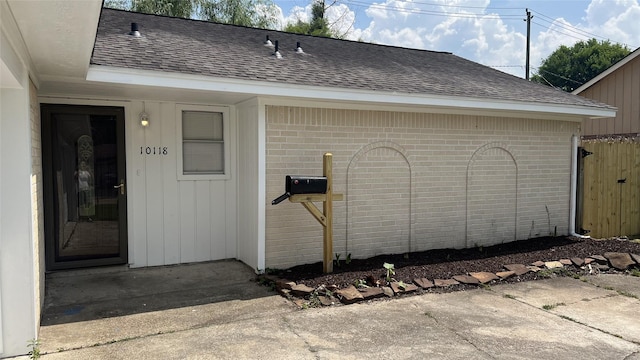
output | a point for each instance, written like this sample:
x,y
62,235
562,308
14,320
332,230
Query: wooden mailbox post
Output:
x,y
325,218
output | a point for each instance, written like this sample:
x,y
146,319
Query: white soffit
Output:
x,y
202,83
59,34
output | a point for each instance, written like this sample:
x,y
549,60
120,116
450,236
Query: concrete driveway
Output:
x,y
562,318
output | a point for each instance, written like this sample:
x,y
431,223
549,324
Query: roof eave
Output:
x,y
124,76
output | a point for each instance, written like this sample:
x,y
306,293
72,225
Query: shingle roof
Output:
x,y
227,51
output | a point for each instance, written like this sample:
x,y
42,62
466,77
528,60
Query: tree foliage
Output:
x,y
568,68
253,13
318,26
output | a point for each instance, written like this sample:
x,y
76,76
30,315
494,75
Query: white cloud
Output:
x,y
469,29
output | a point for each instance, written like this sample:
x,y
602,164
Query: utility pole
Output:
x,y
528,20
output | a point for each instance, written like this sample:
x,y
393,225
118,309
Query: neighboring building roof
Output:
x,y
226,51
605,73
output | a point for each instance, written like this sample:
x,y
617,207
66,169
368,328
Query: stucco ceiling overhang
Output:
x,y
59,35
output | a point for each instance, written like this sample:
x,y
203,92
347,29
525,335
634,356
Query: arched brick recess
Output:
x,y
491,196
379,200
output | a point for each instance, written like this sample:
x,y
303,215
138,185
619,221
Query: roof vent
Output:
x,y
134,30
277,52
268,42
298,48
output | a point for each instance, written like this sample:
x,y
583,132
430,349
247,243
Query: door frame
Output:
x,y
47,109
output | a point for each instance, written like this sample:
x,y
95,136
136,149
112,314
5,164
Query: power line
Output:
x,y
430,12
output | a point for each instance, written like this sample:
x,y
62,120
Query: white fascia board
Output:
x,y
261,88
606,73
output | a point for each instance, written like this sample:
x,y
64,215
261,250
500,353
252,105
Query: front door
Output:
x,y
84,186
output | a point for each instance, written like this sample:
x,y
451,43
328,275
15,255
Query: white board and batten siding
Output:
x,y
172,220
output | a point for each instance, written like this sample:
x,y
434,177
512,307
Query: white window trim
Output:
x,y
227,139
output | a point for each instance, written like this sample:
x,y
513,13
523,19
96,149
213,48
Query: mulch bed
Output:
x,y
446,263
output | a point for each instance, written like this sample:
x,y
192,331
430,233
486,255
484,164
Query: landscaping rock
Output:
x,y
588,261
284,284
395,286
602,267
553,264
423,283
535,269
518,269
600,259
371,292
538,263
444,282
484,277
325,300
466,279
620,261
635,258
349,295
387,291
505,274
577,261
301,290
566,262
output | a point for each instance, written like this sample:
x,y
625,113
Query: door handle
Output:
x,y
120,186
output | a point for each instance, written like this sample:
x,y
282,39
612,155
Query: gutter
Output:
x,y
574,189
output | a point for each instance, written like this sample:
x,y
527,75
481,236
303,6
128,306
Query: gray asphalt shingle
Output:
x,y
227,51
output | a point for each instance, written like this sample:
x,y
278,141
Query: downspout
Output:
x,y
574,189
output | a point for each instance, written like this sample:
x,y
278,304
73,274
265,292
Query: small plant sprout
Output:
x,y
338,259
34,345
348,260
390,271
402,285
360,283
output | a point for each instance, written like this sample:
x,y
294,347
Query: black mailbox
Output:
x,y
295,184
306,184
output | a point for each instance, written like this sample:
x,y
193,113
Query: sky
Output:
x,y
490,32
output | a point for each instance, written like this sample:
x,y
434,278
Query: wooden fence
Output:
x,y
610,179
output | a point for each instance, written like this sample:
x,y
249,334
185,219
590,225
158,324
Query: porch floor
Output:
x,y
102,305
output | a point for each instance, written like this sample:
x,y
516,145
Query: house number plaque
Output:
x,y
154,150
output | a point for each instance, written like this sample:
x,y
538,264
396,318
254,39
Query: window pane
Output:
x,y
203,157
200,125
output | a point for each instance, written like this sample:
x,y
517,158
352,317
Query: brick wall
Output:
x,y
416,181
37,207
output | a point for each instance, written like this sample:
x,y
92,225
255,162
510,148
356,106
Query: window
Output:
x,y
204,137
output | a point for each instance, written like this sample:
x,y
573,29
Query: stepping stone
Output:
x,y
535,269
395,286
371,292
423,283
588,261
602,267
635,258
620,261
484,277
349,295
577,261
466,279
444,282
505,274
553,264
518,269
565,262
387,291
538,263
599,258
301,290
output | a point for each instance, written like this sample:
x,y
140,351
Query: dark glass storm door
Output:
x,y
84,186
